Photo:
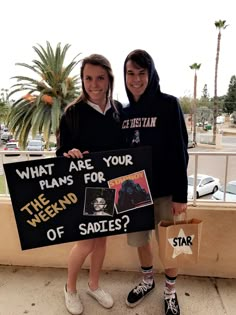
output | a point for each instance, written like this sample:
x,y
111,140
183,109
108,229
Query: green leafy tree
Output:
x,y
205,95
44,98
4,105
204,114
186,104
195,67
230,98
220,25
205,101
220,105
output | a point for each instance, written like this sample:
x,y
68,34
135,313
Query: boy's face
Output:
x,y
136,79
99,204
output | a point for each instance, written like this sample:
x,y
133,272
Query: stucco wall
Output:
x,y
217,255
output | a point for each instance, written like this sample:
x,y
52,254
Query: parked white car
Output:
x,y
220,119
11,146
35,145
206,184
191,143
230,192
6,136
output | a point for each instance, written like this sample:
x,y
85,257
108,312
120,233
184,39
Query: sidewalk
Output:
x,y
229,131
39,291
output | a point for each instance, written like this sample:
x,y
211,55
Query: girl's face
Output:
x,y
96,83
136,79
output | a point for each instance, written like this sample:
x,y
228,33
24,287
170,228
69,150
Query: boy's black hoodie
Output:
x,y
157,120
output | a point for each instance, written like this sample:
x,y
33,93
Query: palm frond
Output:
x,y
33,113
56,114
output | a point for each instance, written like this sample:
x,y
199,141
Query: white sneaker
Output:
x,y
103,298
73,303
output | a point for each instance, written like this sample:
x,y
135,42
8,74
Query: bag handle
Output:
x,y
184,215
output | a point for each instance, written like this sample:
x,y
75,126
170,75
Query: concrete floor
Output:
x,y
39,291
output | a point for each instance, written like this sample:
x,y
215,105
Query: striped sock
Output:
x,y
147,275
170,284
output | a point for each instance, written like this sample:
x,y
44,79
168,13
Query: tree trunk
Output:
x,y
194,107
215,110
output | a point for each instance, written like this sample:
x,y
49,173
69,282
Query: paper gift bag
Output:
x,y
179,242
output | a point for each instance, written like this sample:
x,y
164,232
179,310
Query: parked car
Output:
x,y
13,140
202,124
232,118
52,148
191,144
35,145
6,136
10,147
207,127
206,184
230,192
220,119
39,137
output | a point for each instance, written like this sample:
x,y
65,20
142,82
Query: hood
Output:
x,y
153,88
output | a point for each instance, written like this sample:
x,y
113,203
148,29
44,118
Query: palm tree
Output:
x,y
195,66
45,97
4,106
219,25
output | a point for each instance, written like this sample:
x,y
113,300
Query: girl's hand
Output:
x,y
75,153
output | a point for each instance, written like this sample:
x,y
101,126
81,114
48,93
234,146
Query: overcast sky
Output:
x,y
176,34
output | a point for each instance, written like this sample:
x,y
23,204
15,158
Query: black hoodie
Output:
x,y
157,120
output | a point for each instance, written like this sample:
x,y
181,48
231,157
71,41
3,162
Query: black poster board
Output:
x,y
59,200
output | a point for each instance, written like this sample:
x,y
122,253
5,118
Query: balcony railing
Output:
x,y
218,164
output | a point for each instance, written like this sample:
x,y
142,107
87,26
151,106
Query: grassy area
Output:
x,y
2,185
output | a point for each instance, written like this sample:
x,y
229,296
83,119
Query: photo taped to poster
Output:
x,y
132,191
99,201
